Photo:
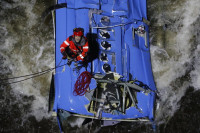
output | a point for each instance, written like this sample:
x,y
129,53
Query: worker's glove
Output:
x,y
69,52
64,57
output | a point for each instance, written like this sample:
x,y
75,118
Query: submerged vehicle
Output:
x,y
116,84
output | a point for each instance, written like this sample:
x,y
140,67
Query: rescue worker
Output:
x,y
75,47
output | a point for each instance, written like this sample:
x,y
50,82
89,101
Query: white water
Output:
x,y
27,50
195,74
177,64
28,47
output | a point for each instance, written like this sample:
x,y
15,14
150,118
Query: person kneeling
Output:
x,y
75,47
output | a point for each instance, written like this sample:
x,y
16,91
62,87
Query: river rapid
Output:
x,y
27,46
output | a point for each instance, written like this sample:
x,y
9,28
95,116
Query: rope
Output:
x,y
27,75
82,83
32,75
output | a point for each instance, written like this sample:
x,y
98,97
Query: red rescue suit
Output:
x,y
79,49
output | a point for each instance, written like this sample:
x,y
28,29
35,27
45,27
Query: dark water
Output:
x,y
27,46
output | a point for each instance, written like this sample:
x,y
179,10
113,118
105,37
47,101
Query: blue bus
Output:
x,y
116,82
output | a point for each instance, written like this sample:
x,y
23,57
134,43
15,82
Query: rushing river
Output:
x,y
27,46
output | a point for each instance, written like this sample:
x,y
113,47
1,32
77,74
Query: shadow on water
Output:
x,y
12,113
186,119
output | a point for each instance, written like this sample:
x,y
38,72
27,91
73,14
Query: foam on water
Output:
x,y
28,48
171,73
195,74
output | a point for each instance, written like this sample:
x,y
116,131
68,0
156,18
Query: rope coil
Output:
x,y
82,83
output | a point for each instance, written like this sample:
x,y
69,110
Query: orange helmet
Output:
x,y
78,31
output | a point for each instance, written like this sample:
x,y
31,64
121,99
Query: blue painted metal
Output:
x,y
132,56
